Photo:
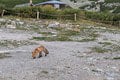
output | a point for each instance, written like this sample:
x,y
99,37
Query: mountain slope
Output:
x,y
95,5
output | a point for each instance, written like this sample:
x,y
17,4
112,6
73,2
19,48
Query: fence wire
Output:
x,y
62,17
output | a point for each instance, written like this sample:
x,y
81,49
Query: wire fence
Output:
x,y
74,17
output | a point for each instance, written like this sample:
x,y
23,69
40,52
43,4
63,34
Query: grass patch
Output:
x,y
14,43
69,33
21,28
115,47
87,39
4,55
99,49
44,38
116,58
105,43
45,72
88,34
50,33
63,35
58,38
95,70
66,34
110,46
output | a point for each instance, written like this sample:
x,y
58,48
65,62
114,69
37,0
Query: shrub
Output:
x,y
49,12
2,7
108,18
69,13
28,12
117,10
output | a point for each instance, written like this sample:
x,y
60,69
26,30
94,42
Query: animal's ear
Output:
x,y
41,45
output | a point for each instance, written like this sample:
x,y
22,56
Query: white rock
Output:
x,y
11,26
21,23
2,20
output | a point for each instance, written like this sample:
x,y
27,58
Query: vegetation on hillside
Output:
x,y
12,3
117,10
48,12
2,7
112,1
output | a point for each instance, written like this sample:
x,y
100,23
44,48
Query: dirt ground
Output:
x,y
68,60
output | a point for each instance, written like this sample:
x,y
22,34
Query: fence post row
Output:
x,y
75,17
119,24
2,13
38,14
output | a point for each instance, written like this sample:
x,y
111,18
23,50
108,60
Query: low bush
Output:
x,y
107,18
2,7
49,12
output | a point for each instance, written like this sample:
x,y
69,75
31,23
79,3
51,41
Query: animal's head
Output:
x,y
33,55
46,51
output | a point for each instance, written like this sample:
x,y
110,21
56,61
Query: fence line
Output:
x,y
75,17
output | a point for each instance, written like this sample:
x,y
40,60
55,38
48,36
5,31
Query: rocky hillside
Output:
x,y
95,5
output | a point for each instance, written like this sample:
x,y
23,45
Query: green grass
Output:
x,y
4,55
45,72
58,38
14,43
62,35
106,47
116,58
87,39
88,34
46,33
105,43
112,1
99,49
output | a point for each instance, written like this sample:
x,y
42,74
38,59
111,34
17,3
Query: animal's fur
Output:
x,y
38,51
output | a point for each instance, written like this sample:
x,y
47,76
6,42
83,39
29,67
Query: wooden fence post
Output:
x,y
119,24
2,13
75,17
38,13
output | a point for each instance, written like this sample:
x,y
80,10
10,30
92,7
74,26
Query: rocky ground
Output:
x,y
82,51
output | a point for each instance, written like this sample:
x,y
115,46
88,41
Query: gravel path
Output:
x,y
60,64
66,61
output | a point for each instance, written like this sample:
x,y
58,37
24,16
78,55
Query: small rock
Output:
x,y
10,26
2,20
55,24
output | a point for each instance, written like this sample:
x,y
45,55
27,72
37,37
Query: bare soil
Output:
x,y
97,59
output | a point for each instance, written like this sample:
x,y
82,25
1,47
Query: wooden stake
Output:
x,y
119,24
38,13
2,13
75,17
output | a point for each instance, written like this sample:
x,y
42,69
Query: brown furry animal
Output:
x,y
38,51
